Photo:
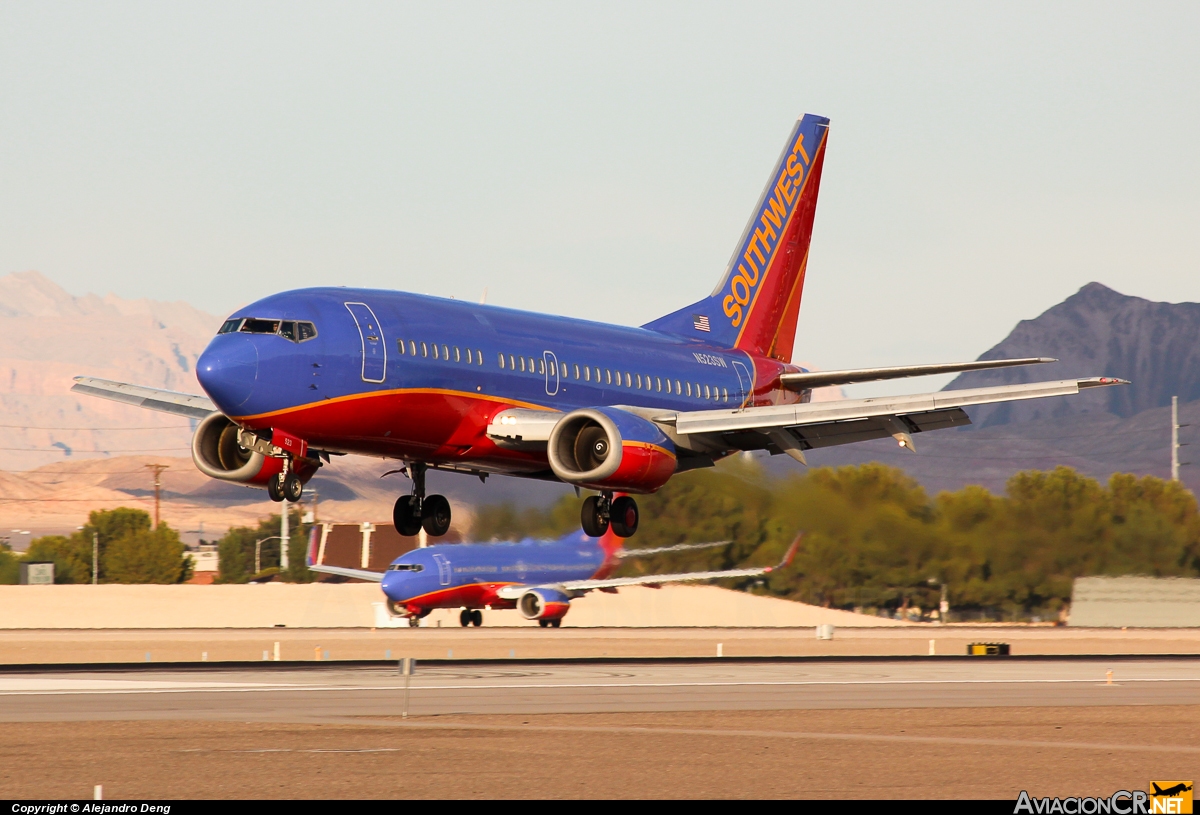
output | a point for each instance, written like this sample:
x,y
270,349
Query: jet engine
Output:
x,y
543,604
217,452
610,449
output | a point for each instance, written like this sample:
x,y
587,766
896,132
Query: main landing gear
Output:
x,y
285,485
417,511
550,623
470,616
601,512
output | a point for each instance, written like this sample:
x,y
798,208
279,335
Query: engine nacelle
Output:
x,y
543,604
610,449
217,453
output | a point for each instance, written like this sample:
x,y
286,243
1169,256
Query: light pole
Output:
x,y
258,551
285,534
95,558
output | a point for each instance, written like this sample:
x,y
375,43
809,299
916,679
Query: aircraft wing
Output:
x,y
822,379
513,592
183,404
798,427
360,574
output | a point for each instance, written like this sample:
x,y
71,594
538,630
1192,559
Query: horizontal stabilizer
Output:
x,y
183,404
358,574
824,379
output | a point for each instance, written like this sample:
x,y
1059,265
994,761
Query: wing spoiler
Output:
x,y
823,379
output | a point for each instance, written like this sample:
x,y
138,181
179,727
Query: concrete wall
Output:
x,y
354,605
1149,602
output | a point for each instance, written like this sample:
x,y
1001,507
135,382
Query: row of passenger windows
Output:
x,y
607,376
470,356
585,373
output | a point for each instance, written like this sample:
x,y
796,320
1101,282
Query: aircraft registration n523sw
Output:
x,y
301,376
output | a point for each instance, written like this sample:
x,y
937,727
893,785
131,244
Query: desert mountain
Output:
x,y
1097,332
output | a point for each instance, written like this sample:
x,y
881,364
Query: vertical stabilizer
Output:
x,y
757,302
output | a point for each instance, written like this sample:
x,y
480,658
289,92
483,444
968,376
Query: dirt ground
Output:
x,y
915,753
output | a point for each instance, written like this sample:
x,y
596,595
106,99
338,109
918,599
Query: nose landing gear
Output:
x,y
417,511
285,485
600,512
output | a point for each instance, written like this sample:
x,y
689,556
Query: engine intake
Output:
x,y
217,452
543,604
609,448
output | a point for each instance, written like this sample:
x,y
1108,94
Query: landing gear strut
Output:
x,y
600,512
468,617
416,511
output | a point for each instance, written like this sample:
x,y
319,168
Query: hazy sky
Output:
x,y
600,160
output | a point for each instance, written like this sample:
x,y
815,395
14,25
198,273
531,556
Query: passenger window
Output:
x,y
647,380
576,371
628,380
305,331
697,390
724,394
587,374
658,384
512,362
639,380
531,365
607,376
478,357
435,351
400,345
706,394
412,347
522,364
424,350
668,386
562,370
457,356
501,360
446,352
597,370
678,388
541,365
230,326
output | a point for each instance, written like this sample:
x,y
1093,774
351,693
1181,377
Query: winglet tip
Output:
x,y
791,552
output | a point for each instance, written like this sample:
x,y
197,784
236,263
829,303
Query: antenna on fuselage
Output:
x,y
483,300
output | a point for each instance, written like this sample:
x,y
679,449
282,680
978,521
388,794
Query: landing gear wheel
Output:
x,y
464,617
624,516
414,621
407,522
477,618
544,623
292,487
435,515
274,488
556,623
590,518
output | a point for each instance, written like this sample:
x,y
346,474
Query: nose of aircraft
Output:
x,y
391,585
227,370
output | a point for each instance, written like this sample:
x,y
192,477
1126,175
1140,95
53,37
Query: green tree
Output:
x,y
235,551
146,556
72,559
10,572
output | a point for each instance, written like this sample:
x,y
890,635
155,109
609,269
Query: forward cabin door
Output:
x,y
374,350
551,363
443,564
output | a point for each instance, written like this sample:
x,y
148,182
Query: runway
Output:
x,y
316,693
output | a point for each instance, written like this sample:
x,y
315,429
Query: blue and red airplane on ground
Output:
x,y
298,377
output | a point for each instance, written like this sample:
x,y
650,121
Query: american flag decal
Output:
x,y
700,322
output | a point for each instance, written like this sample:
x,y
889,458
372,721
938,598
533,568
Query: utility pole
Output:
x,y
157,469
95,558
1175,438
285,536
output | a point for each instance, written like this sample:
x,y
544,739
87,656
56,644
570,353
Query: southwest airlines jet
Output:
x,y
299,377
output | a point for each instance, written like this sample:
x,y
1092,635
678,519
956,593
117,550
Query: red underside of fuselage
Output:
x,y
471,595
438,427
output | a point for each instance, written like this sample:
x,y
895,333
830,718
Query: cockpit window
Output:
x,y
406,567
253,326
288,329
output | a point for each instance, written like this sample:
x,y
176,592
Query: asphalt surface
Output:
x,y
315,694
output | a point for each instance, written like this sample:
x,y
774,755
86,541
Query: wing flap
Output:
x,y
183,404
816,413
